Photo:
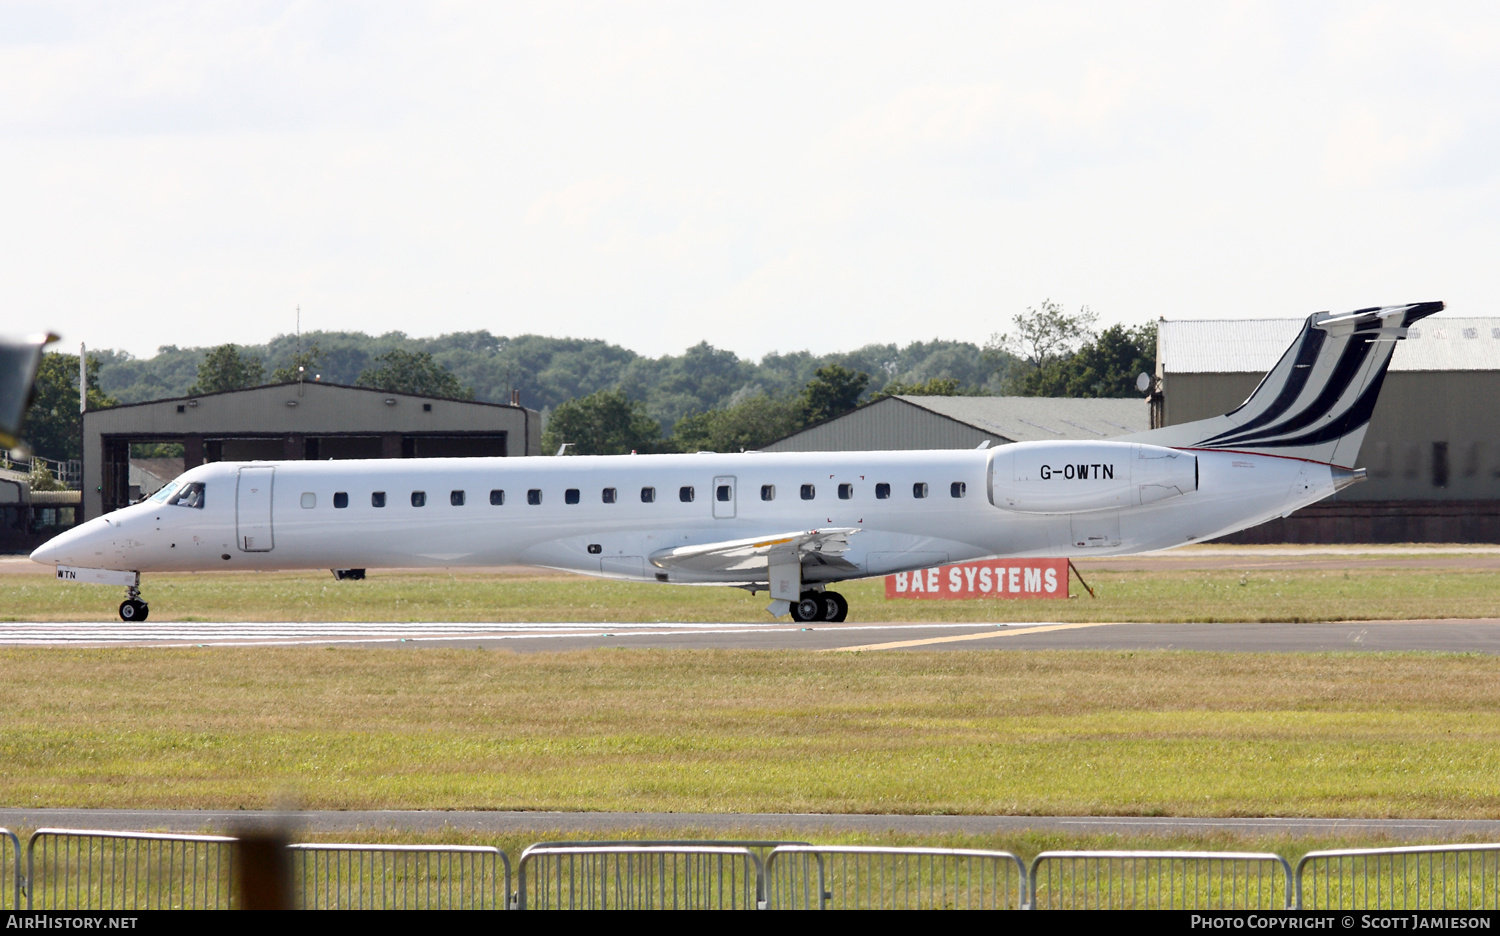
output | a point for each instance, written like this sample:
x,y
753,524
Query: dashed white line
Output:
x,y
298,633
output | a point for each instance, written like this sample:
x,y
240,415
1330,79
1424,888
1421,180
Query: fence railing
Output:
x,y
853,877
69,472
90,869
10,871
399,877
1426,877
1160,880
639,876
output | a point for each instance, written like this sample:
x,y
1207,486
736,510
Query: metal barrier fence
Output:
x,y
1429,877
1160,880
399,877
84,869
88,869
640,876
854,877
10,871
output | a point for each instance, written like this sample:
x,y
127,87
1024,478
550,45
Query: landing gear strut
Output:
x,y
820,606
133,609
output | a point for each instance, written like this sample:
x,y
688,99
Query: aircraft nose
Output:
x,y
68,548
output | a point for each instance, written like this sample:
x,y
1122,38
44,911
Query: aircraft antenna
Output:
x,y
301,368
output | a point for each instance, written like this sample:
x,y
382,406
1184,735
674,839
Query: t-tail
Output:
x,y
1316,403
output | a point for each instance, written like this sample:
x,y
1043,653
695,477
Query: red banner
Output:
x,y
991,578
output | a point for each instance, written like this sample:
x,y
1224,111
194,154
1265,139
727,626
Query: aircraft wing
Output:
x,y
825,547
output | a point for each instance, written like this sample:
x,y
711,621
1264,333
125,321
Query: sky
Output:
x,y
764,177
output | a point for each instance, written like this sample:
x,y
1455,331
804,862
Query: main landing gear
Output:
x,y
827,606
133,609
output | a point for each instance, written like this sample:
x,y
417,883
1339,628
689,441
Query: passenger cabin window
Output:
x,y
419,498
309,500
958,489
190,496
570,496
685,493
377,499
456,498
809,492
846,491
919,489
497,498
648,495
607,495
534,496
882,491
341,500
768,492
722,493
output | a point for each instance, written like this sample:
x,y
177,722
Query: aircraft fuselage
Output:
x,y
588,514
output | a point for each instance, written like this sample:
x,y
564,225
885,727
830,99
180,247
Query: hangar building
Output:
x,y
306,420
899,423
1432,450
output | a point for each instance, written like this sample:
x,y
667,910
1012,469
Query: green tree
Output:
x,y
833,391
934,386
1045,335
225,368
42,479
752,423
414,372
606,422
1109,365
54,427
303,365
1059,355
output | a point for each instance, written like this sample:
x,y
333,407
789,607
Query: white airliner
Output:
x,y
787,523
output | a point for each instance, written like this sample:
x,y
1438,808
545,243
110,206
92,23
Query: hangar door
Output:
x,y
252,509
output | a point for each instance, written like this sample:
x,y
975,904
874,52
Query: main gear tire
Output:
x,y
808,608
835,607
133,611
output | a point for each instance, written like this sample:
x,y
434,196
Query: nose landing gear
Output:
x,y
133,609
827,606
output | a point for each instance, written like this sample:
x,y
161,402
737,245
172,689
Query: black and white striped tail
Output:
x,y
1317,401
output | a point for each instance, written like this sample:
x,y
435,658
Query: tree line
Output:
x,y
603,398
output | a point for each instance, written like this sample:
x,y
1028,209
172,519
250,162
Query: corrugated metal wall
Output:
x,y
887,425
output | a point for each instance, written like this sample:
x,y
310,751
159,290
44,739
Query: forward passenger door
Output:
x,y
252,509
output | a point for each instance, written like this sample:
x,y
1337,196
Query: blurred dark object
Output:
x,y
19,358
265,870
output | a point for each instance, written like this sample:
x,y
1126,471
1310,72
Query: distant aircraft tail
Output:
x,y
1316,402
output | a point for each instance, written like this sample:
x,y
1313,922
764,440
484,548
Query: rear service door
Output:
x,y
724,498
252,509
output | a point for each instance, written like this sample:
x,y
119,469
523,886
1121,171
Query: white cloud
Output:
x,y
763,178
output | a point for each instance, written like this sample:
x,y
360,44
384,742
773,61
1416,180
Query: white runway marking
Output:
x,y
174,633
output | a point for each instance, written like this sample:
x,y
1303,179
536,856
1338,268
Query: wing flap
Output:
x,y
754,554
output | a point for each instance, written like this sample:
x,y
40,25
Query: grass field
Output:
x,y
1163,733
1153,595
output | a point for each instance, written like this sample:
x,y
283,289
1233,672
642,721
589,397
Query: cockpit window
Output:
x,y
165,492
191,495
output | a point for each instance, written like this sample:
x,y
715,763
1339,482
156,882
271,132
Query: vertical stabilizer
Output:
x,y
1317,401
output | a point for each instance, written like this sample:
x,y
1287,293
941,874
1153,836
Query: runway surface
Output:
x,y
735,824
1472,635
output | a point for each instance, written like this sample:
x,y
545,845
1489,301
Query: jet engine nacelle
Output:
x,y
1068,477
